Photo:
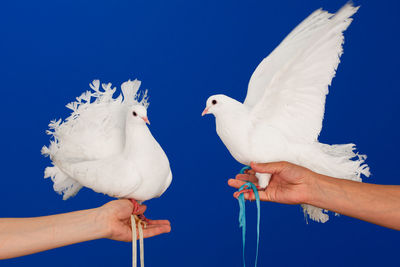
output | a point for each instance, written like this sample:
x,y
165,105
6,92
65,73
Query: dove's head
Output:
x,y
137,114
219,103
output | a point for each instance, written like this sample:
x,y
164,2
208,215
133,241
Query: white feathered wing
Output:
x,y
288,89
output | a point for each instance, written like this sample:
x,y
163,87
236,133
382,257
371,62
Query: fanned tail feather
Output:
x,y
85,104
349,160
63,184
131,96
339,161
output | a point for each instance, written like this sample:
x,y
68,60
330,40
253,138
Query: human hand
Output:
x,y
116,218
289,184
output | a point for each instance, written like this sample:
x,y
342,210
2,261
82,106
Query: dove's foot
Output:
x,y
263,179
238,193
136,206
140,218
140,221
143,218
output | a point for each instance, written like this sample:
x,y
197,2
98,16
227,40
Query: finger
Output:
x,y
123,201
235,183
273,167
243,177
159,222
251,196
153,230
251,172
246,177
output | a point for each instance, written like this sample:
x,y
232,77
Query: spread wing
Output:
x,y
289,87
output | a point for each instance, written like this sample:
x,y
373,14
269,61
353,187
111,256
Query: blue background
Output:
x,y
184,51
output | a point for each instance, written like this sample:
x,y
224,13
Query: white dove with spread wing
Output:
x,y
106,145
281,117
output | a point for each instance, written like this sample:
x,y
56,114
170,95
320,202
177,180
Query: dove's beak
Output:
x,y
205,111
146,120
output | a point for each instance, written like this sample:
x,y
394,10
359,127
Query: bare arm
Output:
x,y
292,184
23,236
378,204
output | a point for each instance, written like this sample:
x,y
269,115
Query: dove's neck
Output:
x,y
232,127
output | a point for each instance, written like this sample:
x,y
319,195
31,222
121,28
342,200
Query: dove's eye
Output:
x,y
134,113
214,102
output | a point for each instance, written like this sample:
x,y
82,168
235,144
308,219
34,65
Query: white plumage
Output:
x,y
106,145
281,117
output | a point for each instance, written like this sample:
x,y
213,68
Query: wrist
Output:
x,y
311,192
101,219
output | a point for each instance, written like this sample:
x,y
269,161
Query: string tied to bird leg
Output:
x,y
242,214
244,169
140,223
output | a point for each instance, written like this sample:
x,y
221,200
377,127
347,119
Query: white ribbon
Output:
x,y
134,241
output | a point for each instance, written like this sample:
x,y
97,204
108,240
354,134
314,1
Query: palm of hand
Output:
x,y
287,185
116,215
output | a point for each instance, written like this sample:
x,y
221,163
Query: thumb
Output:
x,y
273,167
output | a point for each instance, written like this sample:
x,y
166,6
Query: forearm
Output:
x,y
378,204
22,236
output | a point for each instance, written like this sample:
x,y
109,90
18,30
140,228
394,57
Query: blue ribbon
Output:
x,y
242,214
245,168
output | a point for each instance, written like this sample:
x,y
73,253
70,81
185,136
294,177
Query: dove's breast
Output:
x,y
153,167
248,142
268,144
234,135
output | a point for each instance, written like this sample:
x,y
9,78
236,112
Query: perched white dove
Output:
x,y
105,145
281,117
